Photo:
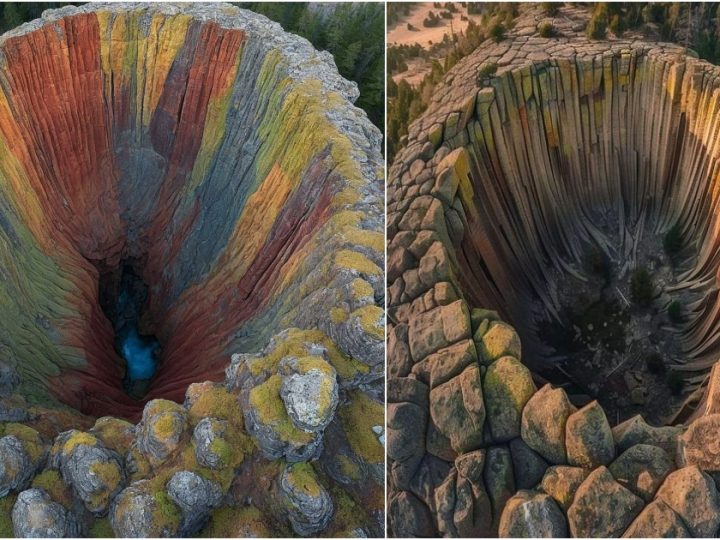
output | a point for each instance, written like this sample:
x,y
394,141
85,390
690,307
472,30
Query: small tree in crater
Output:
x,y
497,32
641,287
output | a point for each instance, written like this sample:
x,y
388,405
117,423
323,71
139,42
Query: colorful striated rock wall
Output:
x,y
224,160
490,200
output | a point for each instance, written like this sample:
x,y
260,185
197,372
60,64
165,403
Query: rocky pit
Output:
x,y
179,185
522,211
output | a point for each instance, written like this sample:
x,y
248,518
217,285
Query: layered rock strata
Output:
x,y
492,196
225,159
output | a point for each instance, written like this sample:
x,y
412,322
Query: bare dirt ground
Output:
x,y
398,34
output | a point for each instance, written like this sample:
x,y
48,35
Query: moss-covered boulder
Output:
x,y
641,469
306,502
457,409
139,512
499,340
309,391
23,452
693,496
602,507
94,473
115,433
588,437
162,430
507,387
543,423
196,497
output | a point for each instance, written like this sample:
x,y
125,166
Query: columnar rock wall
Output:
x,y
494,190
226,159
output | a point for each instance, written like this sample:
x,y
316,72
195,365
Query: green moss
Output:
x,y
101,529
51,481
349,468
30,439
78,438
216,402
115,433
165,511
164,427
353,260
231,522
358,418
371,320
302,476
265,399
6,528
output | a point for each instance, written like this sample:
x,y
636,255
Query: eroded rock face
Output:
x,y
307,503
492,202
223,160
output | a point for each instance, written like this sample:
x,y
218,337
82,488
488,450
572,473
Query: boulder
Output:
x,y
561,482
636,431
499,340
499,480
137,513
458,410
15,466
409,517
532,515
210,444
309,391
35,515
602,507
529,467
641,469
507,387
700,444
657,520
195,496
94,472
543,423
588,437
692,495
306,502
162,430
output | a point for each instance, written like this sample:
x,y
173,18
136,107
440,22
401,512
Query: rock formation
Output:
x,y
223,164
500,187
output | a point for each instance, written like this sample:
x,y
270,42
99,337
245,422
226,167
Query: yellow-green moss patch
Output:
x,y
265,399
302,476
51,481
358,418
101,529
6,528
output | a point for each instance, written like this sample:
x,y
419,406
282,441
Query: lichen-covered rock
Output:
x,y
641,469
94,473
137,513
35,515
162,430
115,433
602,507
692,495
700,444
409,517
532,515
543,423
588,437
657,520
195,496
499,340
309,391
458,410
15,467
561,482
306,502
210,446
507,387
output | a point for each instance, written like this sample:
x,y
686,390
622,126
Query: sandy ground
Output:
x,y
399,34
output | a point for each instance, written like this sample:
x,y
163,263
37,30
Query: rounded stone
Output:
x,y
507,387
588,437
543,423
35,515
532,515
306,502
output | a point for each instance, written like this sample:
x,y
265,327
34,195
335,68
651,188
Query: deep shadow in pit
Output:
x,y
123,298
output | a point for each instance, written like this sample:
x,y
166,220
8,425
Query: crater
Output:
x,y
176,185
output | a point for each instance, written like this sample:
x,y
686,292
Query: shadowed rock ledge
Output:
x,y
223,160
500,186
